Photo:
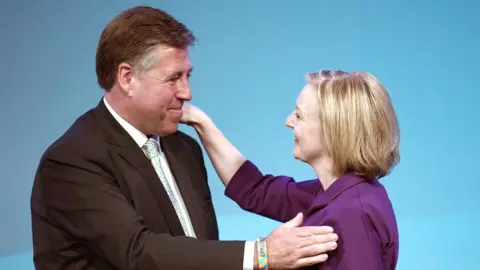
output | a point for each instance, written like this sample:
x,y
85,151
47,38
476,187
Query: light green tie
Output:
x,y
152,150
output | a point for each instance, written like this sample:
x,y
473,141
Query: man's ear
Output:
x,y
125,78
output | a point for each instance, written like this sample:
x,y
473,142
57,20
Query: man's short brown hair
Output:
x,y
131,36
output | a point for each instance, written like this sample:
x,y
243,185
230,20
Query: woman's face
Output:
x,y
305,122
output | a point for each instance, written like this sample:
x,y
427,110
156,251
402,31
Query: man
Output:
x,y
124,189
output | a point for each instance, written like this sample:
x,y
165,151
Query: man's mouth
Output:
x,y
176,108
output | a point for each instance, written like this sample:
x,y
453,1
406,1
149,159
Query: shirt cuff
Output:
x,y
248,256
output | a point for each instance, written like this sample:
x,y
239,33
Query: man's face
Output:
x,y
156,96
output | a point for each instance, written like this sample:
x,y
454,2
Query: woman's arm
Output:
x,y
359,246
276,197
225,158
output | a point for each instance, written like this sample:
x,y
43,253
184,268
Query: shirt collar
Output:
x,y
136,134
340,185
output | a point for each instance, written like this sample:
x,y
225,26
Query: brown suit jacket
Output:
x,y
97,203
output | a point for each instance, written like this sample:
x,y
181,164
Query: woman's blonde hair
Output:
x,y
359,124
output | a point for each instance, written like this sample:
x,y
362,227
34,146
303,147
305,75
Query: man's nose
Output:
x,y
185,93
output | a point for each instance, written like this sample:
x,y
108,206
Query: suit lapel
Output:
x,y
128,149
144,167
174,150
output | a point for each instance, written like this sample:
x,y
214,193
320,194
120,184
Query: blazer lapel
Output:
x,y
174,150
128,149
143,166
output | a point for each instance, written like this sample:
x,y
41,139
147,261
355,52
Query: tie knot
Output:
x,y
151,148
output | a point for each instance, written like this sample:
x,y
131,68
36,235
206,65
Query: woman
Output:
x,y
345,128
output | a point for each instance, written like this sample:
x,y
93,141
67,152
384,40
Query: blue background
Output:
x,y
249,68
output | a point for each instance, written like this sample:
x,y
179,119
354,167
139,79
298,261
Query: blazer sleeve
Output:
x,y
89,206
359,247
277,197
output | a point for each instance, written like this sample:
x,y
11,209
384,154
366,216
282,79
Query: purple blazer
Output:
x,y
360,212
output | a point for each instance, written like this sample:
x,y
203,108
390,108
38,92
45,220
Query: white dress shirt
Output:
x,y
141,139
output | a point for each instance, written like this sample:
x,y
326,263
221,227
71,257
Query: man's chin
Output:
x,y
168,129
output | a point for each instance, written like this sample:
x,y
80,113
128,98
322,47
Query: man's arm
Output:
x,y
92,209
87,204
